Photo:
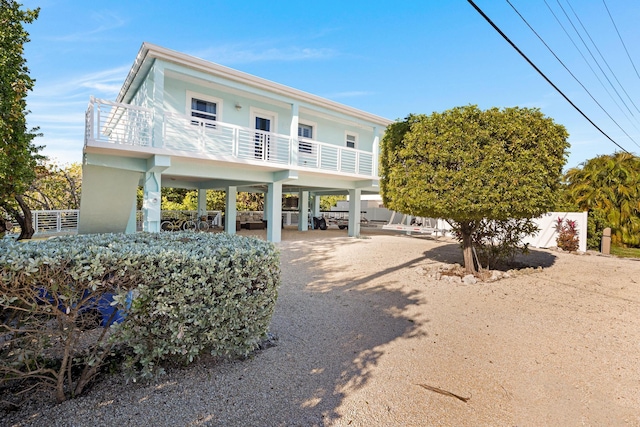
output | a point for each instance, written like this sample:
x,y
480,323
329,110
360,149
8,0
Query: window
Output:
x,y
205,110
305,131
351,140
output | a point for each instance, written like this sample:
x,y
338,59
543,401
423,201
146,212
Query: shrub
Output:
x,y
201,297
596,224
497,242
191,293
49,297
567,235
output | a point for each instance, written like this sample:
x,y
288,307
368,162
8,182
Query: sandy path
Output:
x,y
362,326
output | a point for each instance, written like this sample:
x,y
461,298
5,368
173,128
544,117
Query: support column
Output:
x,y
303,209
151,199
157,95
376,151
132,225
315,205
202,203
266,212
230,210
274,197
293,134
151,202
354,212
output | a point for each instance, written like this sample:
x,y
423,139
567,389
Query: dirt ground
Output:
x,y
368,337
556,347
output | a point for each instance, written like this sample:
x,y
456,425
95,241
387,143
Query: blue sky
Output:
x,y
388,59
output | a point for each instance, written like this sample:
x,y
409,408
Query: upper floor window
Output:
x,y
352,139
305,131
204,110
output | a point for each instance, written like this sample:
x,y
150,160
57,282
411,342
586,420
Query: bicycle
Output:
x,y
177,225
202,224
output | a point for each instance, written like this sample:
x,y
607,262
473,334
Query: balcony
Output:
x,y
132,128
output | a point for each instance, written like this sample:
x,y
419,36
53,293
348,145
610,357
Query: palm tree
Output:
x,y
610,184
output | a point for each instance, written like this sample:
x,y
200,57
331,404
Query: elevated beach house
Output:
x,y
183,122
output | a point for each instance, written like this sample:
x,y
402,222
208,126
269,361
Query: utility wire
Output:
x,y
621,41
572,75
589,64
602,56
508,40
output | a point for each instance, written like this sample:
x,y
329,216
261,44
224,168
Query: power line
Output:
x,y
584,43
621,41
602,56
572,75
588,63
504,36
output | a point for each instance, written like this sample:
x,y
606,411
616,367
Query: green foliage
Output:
x,y
596,223
610,184
201,296
56,187
18,155
567,235
48,296
625,252
466,165
327,202
193,293
497,242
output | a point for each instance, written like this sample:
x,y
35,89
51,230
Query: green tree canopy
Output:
x,y
466,164
609,186
18,154
56,187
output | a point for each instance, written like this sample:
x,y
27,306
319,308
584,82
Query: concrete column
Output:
x,y
157,103
605,245
151,202
376,150
315,205
202,203
354,212
293,133
151,198
274,196
132,225
266,212
230,210
303,209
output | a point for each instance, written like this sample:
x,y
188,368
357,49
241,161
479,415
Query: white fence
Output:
x,y
50,222
66,221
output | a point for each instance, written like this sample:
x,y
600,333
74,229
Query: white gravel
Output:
x,y
363,326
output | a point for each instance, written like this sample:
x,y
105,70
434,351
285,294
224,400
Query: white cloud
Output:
x,y
58,109
101,22
348,94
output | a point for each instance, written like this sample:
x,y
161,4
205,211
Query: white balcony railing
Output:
x,y
110,122
115,123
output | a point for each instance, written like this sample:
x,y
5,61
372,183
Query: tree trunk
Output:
x,y
25,220
466,230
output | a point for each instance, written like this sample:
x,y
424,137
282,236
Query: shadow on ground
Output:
x,y
452,254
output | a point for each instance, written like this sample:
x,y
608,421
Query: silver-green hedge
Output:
x,y
192,292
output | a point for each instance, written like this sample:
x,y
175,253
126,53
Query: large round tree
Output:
x,y
466,164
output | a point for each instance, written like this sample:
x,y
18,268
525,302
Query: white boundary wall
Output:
x,y
546,237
